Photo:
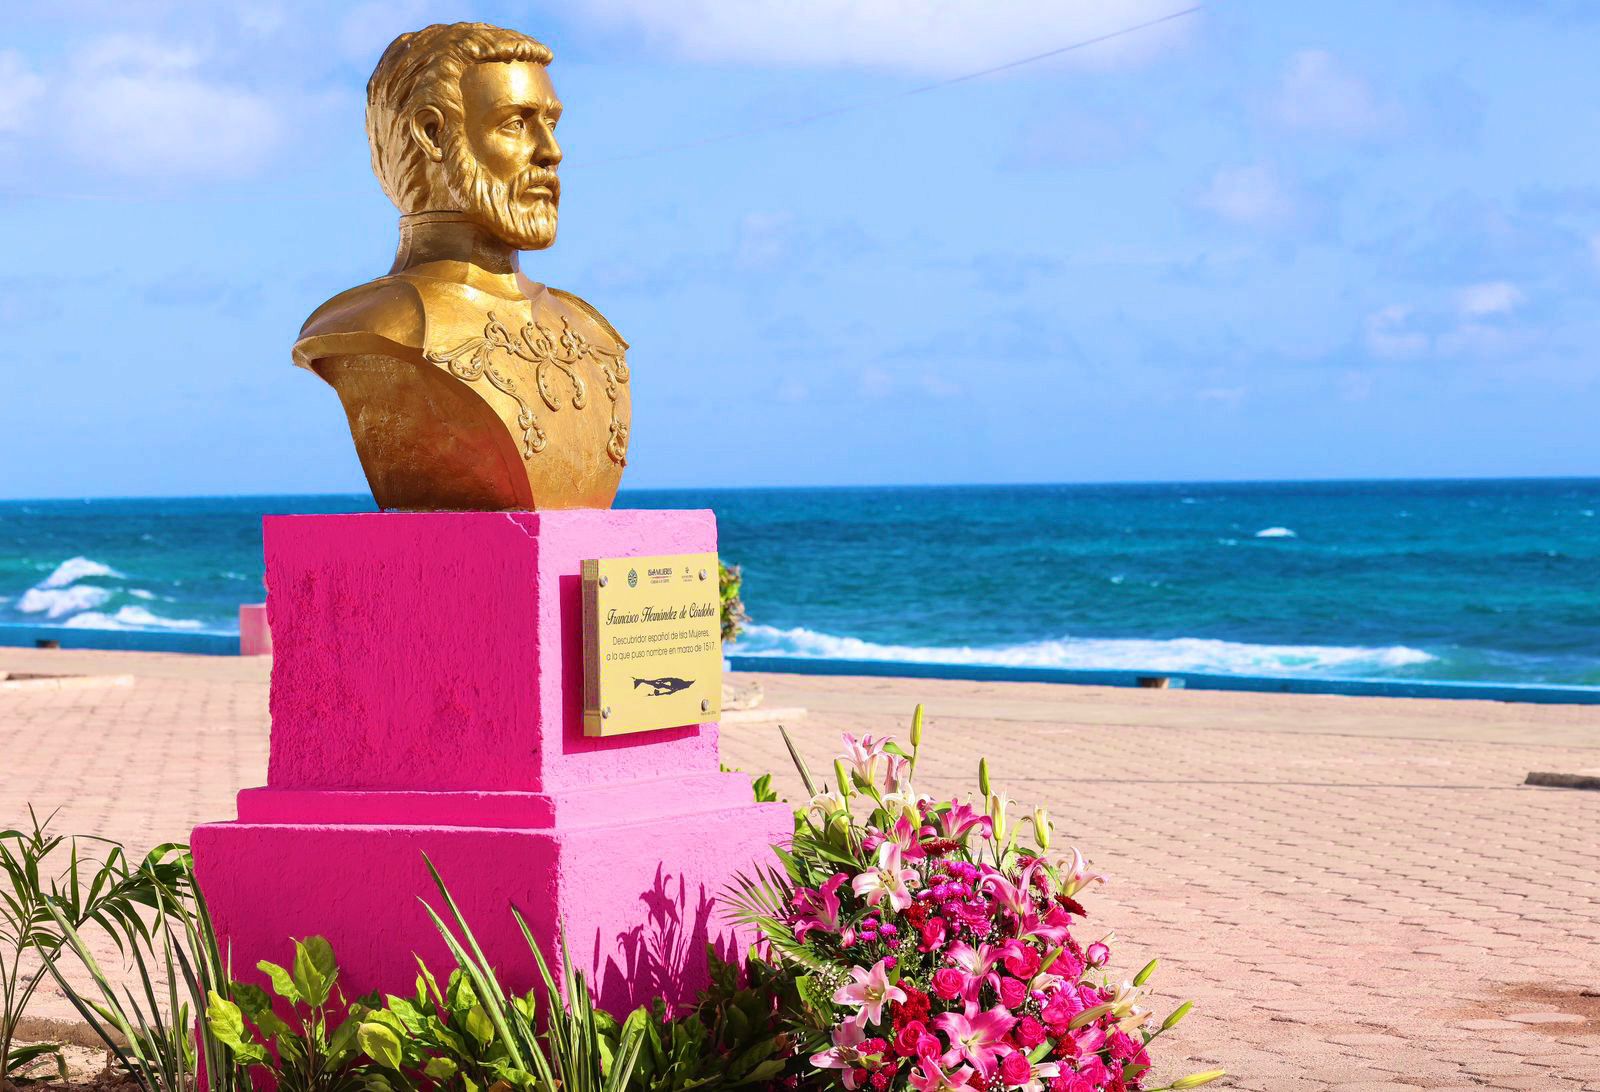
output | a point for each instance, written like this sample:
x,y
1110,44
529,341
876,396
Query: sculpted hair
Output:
x,y
420,69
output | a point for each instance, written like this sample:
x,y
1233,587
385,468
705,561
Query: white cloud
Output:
x,y
134,106
19,89
1317,95
936,37
1252,195
1390,333
1489,298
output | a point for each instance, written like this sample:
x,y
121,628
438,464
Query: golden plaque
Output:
x,y
652,643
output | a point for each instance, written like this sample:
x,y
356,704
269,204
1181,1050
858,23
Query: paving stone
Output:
x,y
1359,891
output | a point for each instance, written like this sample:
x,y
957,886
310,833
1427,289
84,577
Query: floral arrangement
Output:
x,y
934,951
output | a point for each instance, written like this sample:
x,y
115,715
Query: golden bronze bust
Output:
x,y
468,386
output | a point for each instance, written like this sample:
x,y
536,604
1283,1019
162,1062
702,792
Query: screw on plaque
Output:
x,y
705,705
606,712
603,581
702,574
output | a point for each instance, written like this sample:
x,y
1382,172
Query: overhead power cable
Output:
x,y
867,104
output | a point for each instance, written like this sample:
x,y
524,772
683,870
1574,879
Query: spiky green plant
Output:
x,y
37,895
160,1034
578,1058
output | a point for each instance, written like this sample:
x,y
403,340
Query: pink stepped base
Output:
x,y
426,698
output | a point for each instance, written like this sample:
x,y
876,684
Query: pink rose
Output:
x,y
1013,992
1029,1032
1057,1014
1097,954
1015,1068
1023,961
947,982
933,935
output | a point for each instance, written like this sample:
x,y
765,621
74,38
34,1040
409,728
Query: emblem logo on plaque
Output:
x,y
652,643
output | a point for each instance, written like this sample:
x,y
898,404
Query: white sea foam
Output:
x,y
1276,532
129,617
1130,654
75,569
58,602
140,593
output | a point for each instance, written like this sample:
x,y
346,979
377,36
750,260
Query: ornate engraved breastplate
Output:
x,y
554,360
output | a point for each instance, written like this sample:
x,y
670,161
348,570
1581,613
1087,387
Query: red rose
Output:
x,y
947,982
1013,992
1015,1068
907,1038
1029,1032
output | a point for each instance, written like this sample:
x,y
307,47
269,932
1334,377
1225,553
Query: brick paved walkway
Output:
x,y
1358,892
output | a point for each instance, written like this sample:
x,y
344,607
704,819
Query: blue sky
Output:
x,y
1265,240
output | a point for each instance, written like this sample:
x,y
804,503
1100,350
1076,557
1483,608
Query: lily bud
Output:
x,y
983,776
1177,1015
1195,1080
1041,829
1144,976
842,777
916,728
997,812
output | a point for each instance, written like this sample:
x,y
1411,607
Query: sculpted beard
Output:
x,y
526,226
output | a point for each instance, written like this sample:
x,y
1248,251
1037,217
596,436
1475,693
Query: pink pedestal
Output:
x,y
255,636
426,697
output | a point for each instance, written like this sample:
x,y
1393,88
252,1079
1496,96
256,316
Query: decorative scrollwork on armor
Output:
x,y
549,353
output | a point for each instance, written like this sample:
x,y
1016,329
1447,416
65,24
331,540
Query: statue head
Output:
x,y
462,117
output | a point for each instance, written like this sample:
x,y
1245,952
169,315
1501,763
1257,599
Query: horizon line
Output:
x,y
880,485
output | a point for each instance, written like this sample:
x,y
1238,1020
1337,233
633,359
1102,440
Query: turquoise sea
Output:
x,y
1437,580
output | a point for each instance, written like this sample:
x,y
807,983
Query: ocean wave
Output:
x,y
1276,532
75,569
1131,654
129,617
58,602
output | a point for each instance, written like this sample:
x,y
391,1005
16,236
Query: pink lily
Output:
x,y
1051,928
960,819
845,1053
976,1035
864,754
977,964
929,1077
888,879
907,836
1077,877
1015,897
870,991
818,909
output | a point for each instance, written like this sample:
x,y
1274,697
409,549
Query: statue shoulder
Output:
x,y
387,316
583,307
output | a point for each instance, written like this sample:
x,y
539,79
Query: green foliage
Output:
x,y
159,1052
579,1057
730,580
42,899
315,1050
730,1039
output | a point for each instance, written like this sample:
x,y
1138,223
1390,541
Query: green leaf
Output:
x,y
379,1043
440,1069
314,969
225,1021
478,1025
282,984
